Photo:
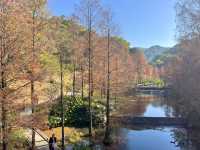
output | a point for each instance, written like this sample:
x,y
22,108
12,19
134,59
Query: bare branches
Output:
x,y
188,18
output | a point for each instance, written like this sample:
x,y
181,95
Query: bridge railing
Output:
x,y
44,137
150,121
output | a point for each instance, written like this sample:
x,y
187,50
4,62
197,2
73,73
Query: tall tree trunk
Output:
x,y
4,111
32,79
92,81
90,70
3,86
74,80
104,78
101,92
4,124
33,111
116,86
107,139
62,101
82,83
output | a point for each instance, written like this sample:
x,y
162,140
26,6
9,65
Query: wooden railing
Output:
x,y
44,137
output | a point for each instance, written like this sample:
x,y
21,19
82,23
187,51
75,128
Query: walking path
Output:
x,y
41,140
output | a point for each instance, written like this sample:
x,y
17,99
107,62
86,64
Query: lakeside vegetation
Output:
x,y
46,58
76,113
153,82
70,71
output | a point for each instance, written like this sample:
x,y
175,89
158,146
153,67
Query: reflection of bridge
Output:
x,y
151,88
149,121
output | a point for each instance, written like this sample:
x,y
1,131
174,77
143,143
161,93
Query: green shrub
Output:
x,y
156,82
81,147
76,113
17,140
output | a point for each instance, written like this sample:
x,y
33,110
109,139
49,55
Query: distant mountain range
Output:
x,y
158,55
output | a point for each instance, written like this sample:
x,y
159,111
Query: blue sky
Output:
x,y
143,23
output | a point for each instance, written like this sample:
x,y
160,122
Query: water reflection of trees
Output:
x,y
186,139
137,105
134,106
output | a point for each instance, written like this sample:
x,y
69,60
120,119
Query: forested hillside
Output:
x,y
155,51
166,56
157,55
46,58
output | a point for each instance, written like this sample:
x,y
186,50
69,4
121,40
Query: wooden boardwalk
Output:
x,y
41,140
149,121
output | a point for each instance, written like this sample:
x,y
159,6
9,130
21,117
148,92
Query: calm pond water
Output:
x,y
147,139
165,138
